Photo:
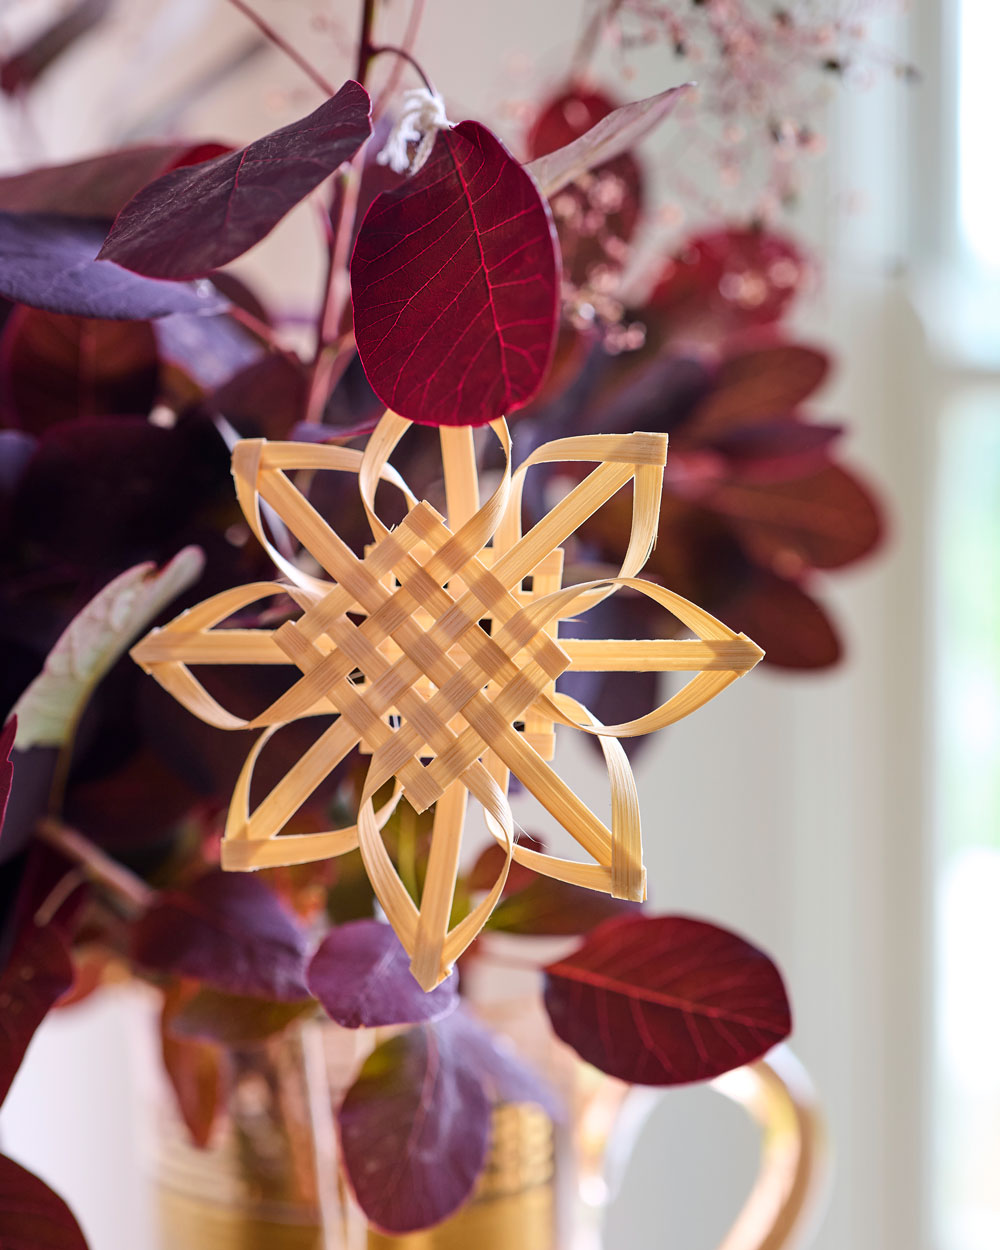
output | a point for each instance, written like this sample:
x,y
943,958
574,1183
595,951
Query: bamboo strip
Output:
x,y
458,658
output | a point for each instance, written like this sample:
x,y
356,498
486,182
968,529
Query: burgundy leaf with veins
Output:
x,y
196,219
665,1000
455,285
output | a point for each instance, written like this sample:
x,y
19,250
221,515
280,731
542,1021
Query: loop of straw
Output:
x,y
449,680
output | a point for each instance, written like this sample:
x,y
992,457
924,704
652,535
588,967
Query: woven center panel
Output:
x,y
453,653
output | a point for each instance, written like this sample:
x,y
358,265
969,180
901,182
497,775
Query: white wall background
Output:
x,y
789,809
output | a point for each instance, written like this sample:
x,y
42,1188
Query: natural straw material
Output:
x,y
448,680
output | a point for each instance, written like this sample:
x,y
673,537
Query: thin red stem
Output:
x,y
335,298
99,866
407,45
406,56
262,330
337,290
269,33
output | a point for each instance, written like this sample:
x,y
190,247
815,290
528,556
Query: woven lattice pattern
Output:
x,y
438,650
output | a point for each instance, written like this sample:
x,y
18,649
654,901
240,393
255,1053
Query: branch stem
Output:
x,y
404,55
98,865
279,41
365,40
407,45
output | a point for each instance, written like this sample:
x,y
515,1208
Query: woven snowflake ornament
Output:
x,y
438,651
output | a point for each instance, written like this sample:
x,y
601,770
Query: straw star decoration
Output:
x,y
449,679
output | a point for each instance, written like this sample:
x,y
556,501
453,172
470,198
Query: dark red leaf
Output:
x,y
55,368
38,973
491,860
551,907
773,451
228,930
32,1217
264,400
567,117
760,385
108,493
48,262
97,186
726,282
352,409
534,904
232,1019
198,1073
136,806
23,69
597,215
455,285
193,220
793,629
414,1129
361,976
665,1000
823,521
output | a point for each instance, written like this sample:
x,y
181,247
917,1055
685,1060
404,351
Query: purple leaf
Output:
x,y
665,1000
414,1130
455,285
193,220
505,1074
55,368
48,262
361,976
209,350
97,186
228,930
32,1217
